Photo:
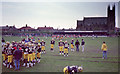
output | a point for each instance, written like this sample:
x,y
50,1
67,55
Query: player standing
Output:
x,y
52,45
33,54
38,52
77,45
38,40
60,45
10,56
3,41
72,45
43,46
104,49
4,54
93,36
25,54
66,47
83,45
30,58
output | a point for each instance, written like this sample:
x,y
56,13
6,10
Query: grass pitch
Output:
x,y
91,59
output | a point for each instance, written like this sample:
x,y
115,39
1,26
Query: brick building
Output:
x,y
98,23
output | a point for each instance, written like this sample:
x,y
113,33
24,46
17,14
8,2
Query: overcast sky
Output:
x,y
54,14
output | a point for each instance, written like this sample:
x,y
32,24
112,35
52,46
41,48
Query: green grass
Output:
x,y
91,59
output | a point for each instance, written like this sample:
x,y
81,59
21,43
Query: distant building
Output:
x,y
45,28
4,28
7,28
98,23
26,29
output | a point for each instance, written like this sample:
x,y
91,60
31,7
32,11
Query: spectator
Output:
x,y
77,45
17,56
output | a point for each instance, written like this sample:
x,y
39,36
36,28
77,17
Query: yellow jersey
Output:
x,y
65,70
104,47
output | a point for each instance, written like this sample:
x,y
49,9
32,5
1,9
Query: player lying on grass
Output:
x,y
29,49
72,69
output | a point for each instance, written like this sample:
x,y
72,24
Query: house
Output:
x,y
45,29
26,29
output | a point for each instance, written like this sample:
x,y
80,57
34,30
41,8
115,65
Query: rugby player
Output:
x,y
52,45
72,45
43,46
60,45
66,47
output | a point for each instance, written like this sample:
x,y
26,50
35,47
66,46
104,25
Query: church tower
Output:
x,y
111,18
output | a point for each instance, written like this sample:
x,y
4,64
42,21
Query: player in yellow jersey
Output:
x,y
60,45
10,56
104,49
25,53
4,54
52,45
43,46
30,58
72,45
66,47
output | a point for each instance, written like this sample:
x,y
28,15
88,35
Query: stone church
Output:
x,y
98,23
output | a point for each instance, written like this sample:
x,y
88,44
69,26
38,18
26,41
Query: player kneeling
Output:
x,y
72,69
66,47
38,53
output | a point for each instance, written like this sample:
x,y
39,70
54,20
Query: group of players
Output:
x,y
31,51
64,47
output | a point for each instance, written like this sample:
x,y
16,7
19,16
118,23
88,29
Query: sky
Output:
x,y
54,14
